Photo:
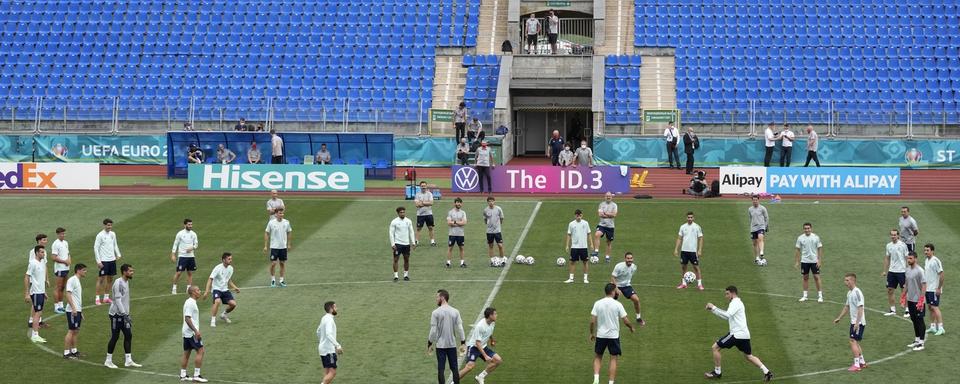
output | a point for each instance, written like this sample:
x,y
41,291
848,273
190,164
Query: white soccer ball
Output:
x,y
561,261
762,262
496,262
529,260
520,259
594,259
689,277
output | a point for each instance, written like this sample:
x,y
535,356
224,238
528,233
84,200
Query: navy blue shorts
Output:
x,y
611,345
109,268
278,254
728,341
37,300
451,240
856,331
186,264
401,250
61,273
756,234
911,247
606,232
933,299
806,268
329,361
473,354
896,279
192,344
73,322
426,219
627,291
224,296
577,254
494,237
689,258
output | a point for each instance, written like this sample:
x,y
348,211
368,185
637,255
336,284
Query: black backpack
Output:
x,y
715,188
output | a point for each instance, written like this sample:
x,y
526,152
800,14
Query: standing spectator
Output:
x,y
225,155
445,324
553,148
672,137
460,121
812,141
786,145
463,151
553,29
253,154
241,126
584,155
259,128
323,156
276,148
188,126
690,144
532,26
770,142
566,156
484,162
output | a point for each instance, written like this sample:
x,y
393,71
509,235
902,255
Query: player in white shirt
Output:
x,y
274,203
738,336
74,310
456,220
31,255
277,239
605,318
480,341
858,321
191,337
809,258
607,212
690,238
424,202
60,252
107,252
621,277
933,277
221,282
402,241
895,269
578,234
328,346
34,290
184,245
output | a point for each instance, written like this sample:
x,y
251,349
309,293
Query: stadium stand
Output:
x,y
622,89
481,89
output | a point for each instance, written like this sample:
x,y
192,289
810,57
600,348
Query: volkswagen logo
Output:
x,y
465,179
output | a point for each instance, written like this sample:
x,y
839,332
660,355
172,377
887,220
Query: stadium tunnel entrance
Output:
x,y
537,113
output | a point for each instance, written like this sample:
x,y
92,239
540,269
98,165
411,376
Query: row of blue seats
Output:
x,y
622,72
662,39
480,60
821,84
778,95
623,60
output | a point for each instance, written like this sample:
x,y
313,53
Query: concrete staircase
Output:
x,y
449,83
658,83
618,28
492,30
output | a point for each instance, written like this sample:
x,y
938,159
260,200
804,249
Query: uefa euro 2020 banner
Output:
x,y
49,176
545,179
284,177
133,149
810,181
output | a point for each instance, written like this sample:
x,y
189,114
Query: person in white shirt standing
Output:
x,y
221,281
895,269
622,276
276,148
738,336
605,318
275,203
277,236
605,228
809,258
328,346
672,137
31,255
107,252
578,234
786,145
483,162
184,245
769,144
60,250
690,237
933,277
480,338
402,240
532,25
858,321
74,309
34,290
191,337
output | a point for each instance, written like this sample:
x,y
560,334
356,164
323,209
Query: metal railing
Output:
x,y
574,37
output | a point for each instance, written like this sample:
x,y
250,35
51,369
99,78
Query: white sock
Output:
x,y
106,296
213,319
764,369
699,281
596,250
59,304
482,374
432,241
916,339
273,279
571,276
462,262
34,333
188,287
281,279
940,325
174,287
66,352
396,275
820,294
893,309
596,377
804,293
196,371
584,276
610,382
73,350
406,273
862,360
856,361
109,357
128,357
682,281
448,262
183,372
717,370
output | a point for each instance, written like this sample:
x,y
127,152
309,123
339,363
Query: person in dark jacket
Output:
x,y
690,144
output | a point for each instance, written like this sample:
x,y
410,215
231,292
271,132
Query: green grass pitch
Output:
x,y
341,253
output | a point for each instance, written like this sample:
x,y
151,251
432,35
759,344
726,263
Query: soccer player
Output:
x,y
275,203
914,297
328,346
908,229
759,221
277,235
607,212
107,252
621,277
456,219
933,277
444,322
31,256
74,308
739,335
60,251
895,268
578,234
183,246
34,290
120,319
858,321
424,203
401,241
493,217
480,338
809,258
691,238
191,337
220,281
605,330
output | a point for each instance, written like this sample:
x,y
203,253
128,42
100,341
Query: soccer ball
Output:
x,y
529,260
495,262
561,261
689,277
594,259
762,262
520,259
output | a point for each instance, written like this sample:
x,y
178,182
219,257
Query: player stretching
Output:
x,y
621,276
424,203
74,308
191,337
493,217
220,281
34,290
480,337
328,346
60,250
739,335
456,219
605,320
107,252
401,240
578,234
895,268
607,212
277,235
759,222
183,246
858,321
691,238
809,258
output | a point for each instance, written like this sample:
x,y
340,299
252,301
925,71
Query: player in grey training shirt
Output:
x,y
914,297
607,212
493,217
759,222
120,318
424,202
908,229
446,327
